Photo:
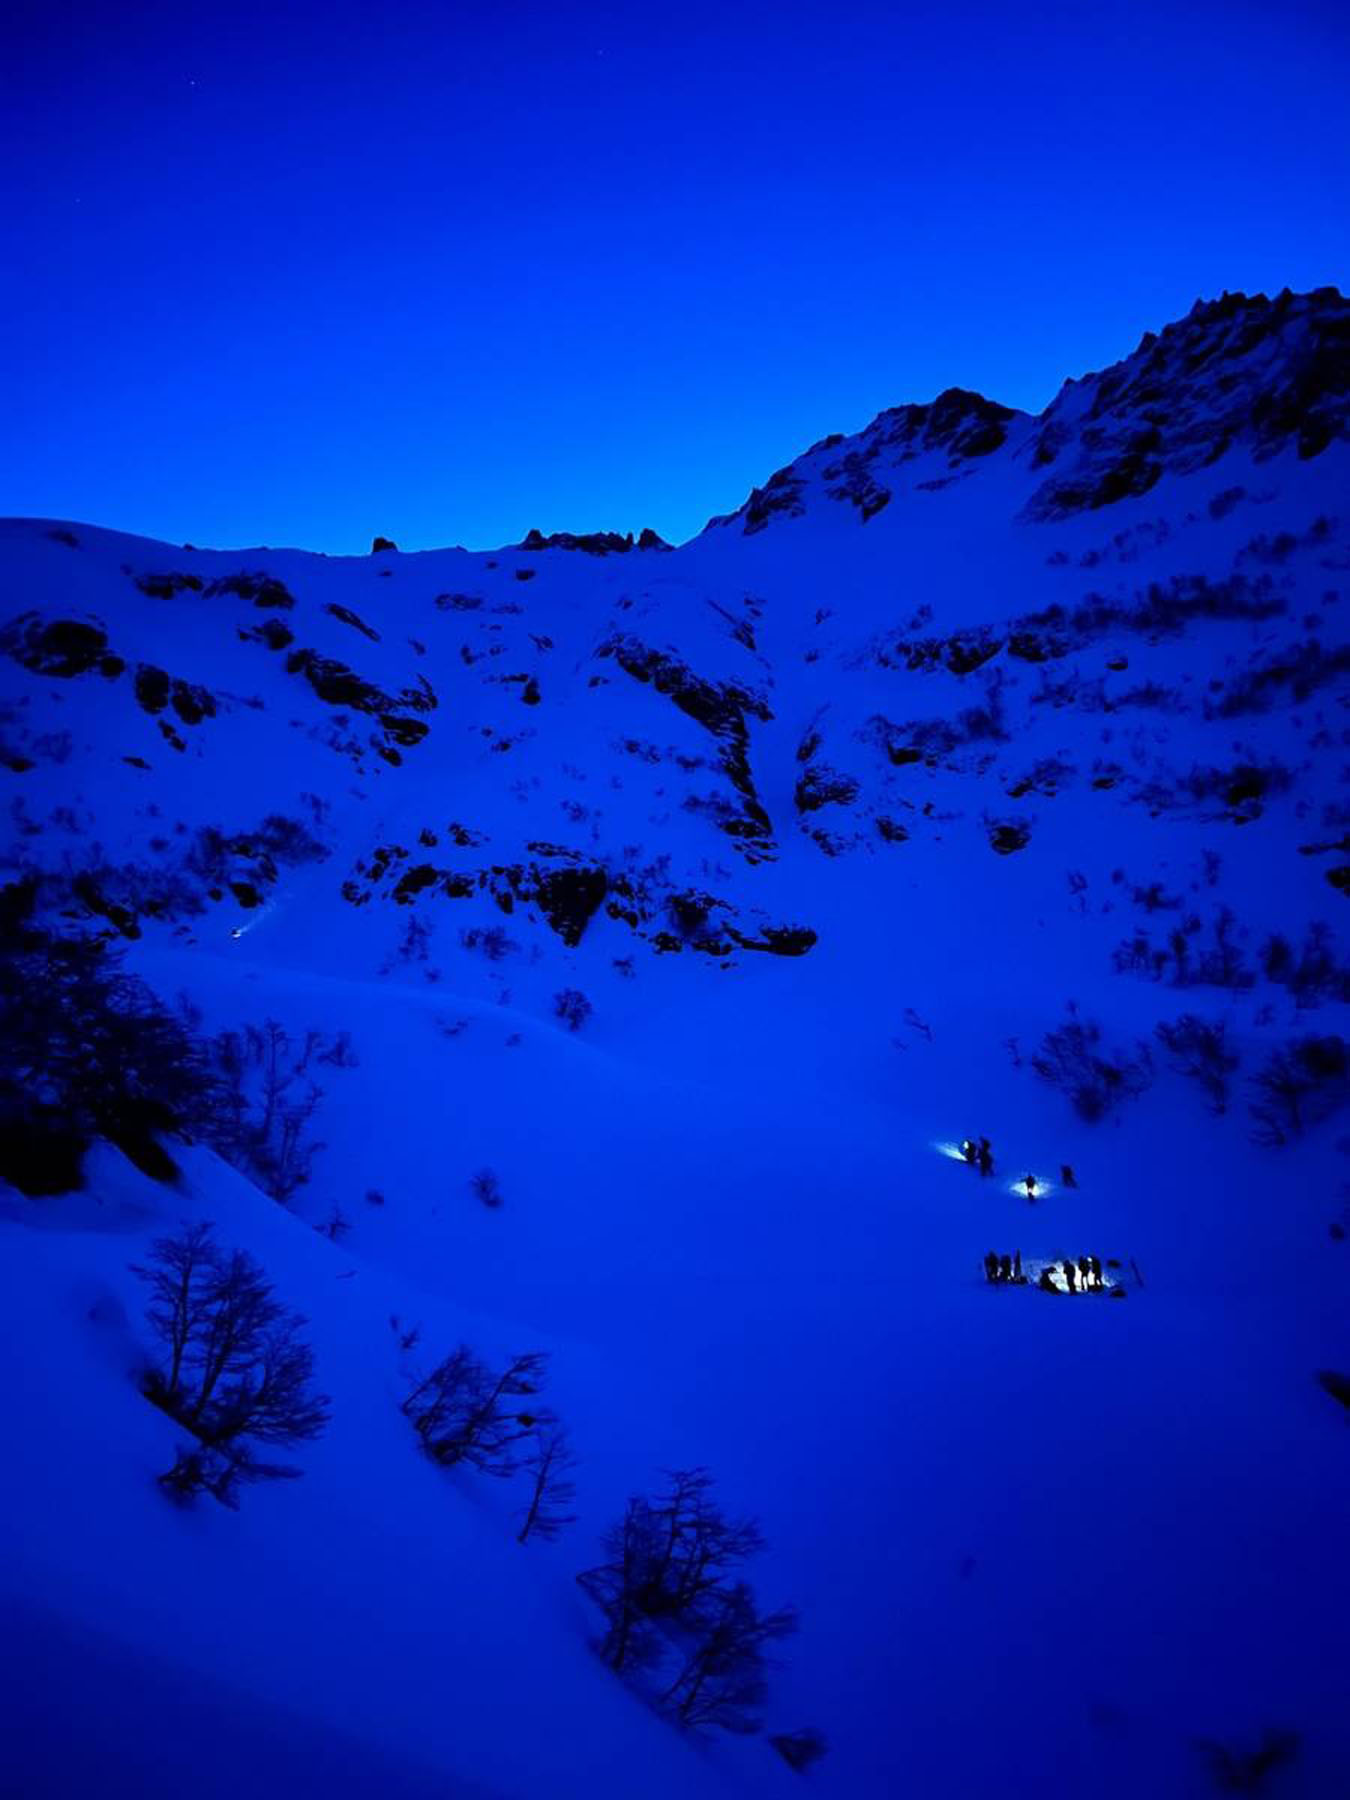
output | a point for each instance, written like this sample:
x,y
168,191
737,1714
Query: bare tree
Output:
x,y
181,1277
270,1105
237,1374
696,1546
549,1464
722,1682
460,1410
630,1641
666,1561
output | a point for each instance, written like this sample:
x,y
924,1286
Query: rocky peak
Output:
x,y
1243,370
595,543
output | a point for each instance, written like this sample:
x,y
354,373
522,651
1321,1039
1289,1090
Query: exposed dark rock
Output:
x,y
152,687
780,940
192,703
123,921
850,480
340,686
1007,837
163,586
595,543
415,881
406,732
272,632
721,709
781,496
63,648
570,898
348,617
265,591
820,786
382,543
1241,371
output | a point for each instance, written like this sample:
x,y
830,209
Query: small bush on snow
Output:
x,y
1094,1078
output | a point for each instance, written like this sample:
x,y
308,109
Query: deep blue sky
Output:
x,y
299,273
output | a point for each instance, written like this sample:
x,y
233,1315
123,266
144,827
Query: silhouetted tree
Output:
x,y
270,1101
616,1584
696,1545
236,1373
722,1682
461,1411
548,1463
87,1051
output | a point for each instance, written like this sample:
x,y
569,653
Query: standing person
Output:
x,y
1067,1175
1070,1276
990,1266
986,1157
1096,1264
1085,1272
968,1151
1030,1185
1017,1266
1005,1267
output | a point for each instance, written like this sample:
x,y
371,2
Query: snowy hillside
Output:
x,y
633,935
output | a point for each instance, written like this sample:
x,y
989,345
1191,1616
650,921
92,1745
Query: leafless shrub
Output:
x,y
572,1007
486,1187
800,1749
1095,1079
1298,1087
1198,1049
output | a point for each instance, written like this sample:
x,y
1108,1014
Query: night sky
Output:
x,y
302,273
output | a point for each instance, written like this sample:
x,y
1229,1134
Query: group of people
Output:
x,y
1081,1277
977,1153
1003,1268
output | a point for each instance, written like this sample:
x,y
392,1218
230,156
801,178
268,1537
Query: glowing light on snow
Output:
x,y
945,1149
1043,1187
238,931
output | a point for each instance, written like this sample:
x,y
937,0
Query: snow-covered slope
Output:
x,y
829,814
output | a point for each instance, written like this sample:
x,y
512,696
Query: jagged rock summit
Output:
x,y
1241,370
